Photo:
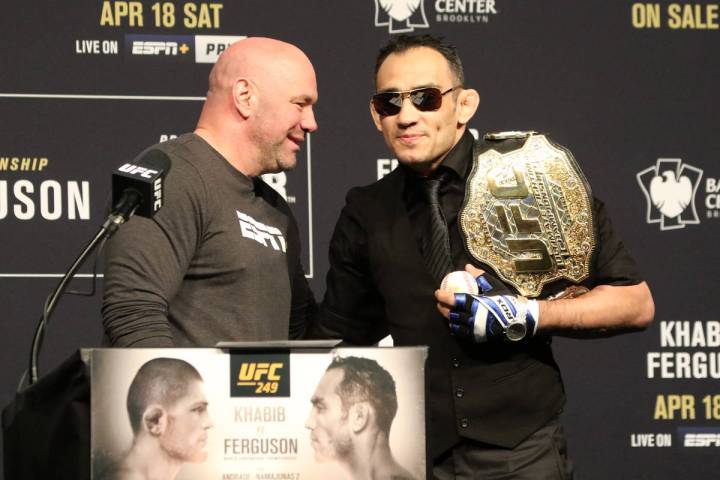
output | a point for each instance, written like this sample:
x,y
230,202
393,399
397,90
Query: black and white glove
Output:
x,y
498,317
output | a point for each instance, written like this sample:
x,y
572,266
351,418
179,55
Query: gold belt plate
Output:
x,y
528,215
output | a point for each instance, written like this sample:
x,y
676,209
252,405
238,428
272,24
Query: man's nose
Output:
x,y
207,422
310,422
308,123
408,114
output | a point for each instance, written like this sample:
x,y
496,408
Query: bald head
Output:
x,y
256,86
262,60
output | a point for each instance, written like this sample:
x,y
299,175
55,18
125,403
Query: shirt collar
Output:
x,y
458,158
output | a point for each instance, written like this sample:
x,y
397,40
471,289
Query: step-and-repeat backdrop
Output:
x,y
630,87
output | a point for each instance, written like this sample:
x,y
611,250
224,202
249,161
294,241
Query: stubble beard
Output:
x,y
270,153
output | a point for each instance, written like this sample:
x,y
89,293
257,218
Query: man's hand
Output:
x,y
485,318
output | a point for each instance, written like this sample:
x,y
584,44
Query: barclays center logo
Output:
x,y
670,188
400,16
404,16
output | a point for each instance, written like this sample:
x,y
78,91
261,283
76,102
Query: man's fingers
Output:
x,y
446,298
472,270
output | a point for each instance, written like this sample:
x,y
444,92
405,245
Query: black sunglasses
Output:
x,y
426,99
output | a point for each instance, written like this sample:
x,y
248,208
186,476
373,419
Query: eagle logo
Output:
x,y
669,188
400,16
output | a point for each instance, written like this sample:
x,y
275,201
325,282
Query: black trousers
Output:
x,y
542,456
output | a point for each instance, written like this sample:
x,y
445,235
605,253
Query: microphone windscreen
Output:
x,y
156,159
144,177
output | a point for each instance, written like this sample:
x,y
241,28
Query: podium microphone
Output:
x,y
137,188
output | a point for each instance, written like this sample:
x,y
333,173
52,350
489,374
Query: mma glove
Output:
x,y
484,318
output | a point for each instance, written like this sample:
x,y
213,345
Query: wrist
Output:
x,y
533,316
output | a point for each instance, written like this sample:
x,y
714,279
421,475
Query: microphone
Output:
x,y
137,187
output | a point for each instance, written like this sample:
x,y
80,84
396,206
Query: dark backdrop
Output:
x,y
621,83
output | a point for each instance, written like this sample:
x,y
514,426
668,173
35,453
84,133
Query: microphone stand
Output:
x,y
120,215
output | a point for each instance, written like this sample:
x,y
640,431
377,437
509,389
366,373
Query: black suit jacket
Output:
x,y
378,284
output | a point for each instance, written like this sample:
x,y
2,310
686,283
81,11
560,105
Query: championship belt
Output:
x,y
528,213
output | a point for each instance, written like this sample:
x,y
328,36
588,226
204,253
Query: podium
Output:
x,y
270,411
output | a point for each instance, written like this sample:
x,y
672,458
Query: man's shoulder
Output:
x,y
184,151
187,148
379,191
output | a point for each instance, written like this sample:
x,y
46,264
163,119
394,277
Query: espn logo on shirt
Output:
x,y
265,235
260,375
700,437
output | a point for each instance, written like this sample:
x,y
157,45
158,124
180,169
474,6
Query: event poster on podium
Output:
x,y
252,414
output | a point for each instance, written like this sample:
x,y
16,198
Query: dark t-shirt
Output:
x,y
219,262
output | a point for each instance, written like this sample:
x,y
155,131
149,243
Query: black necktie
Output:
x,y
437,251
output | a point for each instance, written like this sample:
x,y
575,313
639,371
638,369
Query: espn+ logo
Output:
x,y
700,437
261,375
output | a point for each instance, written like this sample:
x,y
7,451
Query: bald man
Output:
x,y
221,259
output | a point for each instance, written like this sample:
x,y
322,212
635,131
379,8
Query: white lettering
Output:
x,y
683,365
712,201
642,440
154,48
277,181
46,195
385,166
49,200
110,47
261,233
3,200
138,170
702,440
157,194
19,190
465,6
78,201
676,333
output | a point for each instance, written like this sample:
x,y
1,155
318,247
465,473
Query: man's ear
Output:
x,y
244,94
376,117
359,416
468,101
155,420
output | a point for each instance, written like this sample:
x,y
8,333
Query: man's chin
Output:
x,y
320,457
417,163
199,457
285,164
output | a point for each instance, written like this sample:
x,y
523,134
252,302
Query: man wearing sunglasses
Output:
x,y
495,391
